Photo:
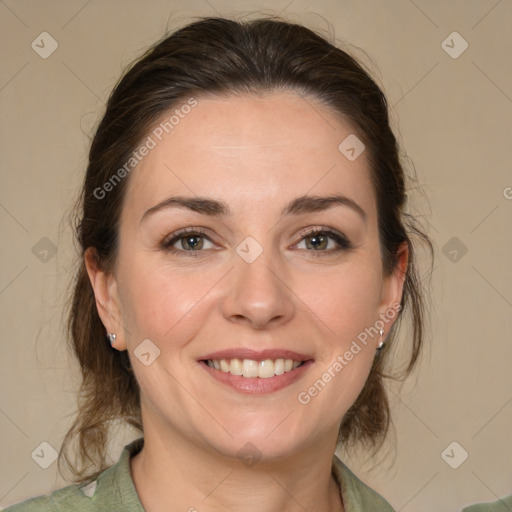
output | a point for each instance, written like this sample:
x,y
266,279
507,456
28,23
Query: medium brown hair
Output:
x,y
222,56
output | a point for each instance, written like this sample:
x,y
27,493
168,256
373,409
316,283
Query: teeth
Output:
x,y
266,369
251,368
236,367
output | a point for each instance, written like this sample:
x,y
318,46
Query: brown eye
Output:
x,y
191,242
324,241
316,242
187,241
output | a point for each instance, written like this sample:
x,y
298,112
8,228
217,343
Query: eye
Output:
x,y
193,241
187,240
323,240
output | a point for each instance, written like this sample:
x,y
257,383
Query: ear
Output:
x,y
392,287
106,295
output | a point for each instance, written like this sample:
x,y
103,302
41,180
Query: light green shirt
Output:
x,y
503,505
114,491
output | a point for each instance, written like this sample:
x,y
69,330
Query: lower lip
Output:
x,y
257,385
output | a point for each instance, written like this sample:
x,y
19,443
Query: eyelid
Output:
x,y
185,231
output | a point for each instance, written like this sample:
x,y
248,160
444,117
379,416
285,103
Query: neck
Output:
x,y
172,473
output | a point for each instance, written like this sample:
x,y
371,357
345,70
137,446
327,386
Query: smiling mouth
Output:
x,y
251,368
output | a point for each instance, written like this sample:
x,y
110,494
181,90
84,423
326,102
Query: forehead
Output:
x,y
249,150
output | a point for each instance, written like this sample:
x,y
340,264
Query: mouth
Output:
x,y
250,371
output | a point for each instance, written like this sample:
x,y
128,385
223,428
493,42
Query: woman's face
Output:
x,y
268,271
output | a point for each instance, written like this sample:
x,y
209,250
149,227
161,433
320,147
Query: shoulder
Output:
x,y
357,496
69,498
112,490
502,505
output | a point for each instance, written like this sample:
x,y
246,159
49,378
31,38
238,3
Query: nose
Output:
x,y
257,294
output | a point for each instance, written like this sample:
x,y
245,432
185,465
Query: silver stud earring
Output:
x,y
111,338
381,344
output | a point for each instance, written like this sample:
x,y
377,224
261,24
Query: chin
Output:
x,y
266,439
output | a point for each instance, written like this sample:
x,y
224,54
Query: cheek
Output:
x,y
158,302
346,303
345,300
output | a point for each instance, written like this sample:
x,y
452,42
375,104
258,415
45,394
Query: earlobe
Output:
x,y
106,296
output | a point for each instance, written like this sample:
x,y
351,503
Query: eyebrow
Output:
x,y
298,206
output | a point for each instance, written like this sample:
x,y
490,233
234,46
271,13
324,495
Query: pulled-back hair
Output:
x,y
223,57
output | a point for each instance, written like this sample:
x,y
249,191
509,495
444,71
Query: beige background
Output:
x,y
454,117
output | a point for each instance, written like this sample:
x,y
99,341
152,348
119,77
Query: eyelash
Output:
x,y
342,241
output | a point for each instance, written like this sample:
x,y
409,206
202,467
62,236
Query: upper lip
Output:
x,y
256,355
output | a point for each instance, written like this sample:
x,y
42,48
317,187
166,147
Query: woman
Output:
x,y
247,256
